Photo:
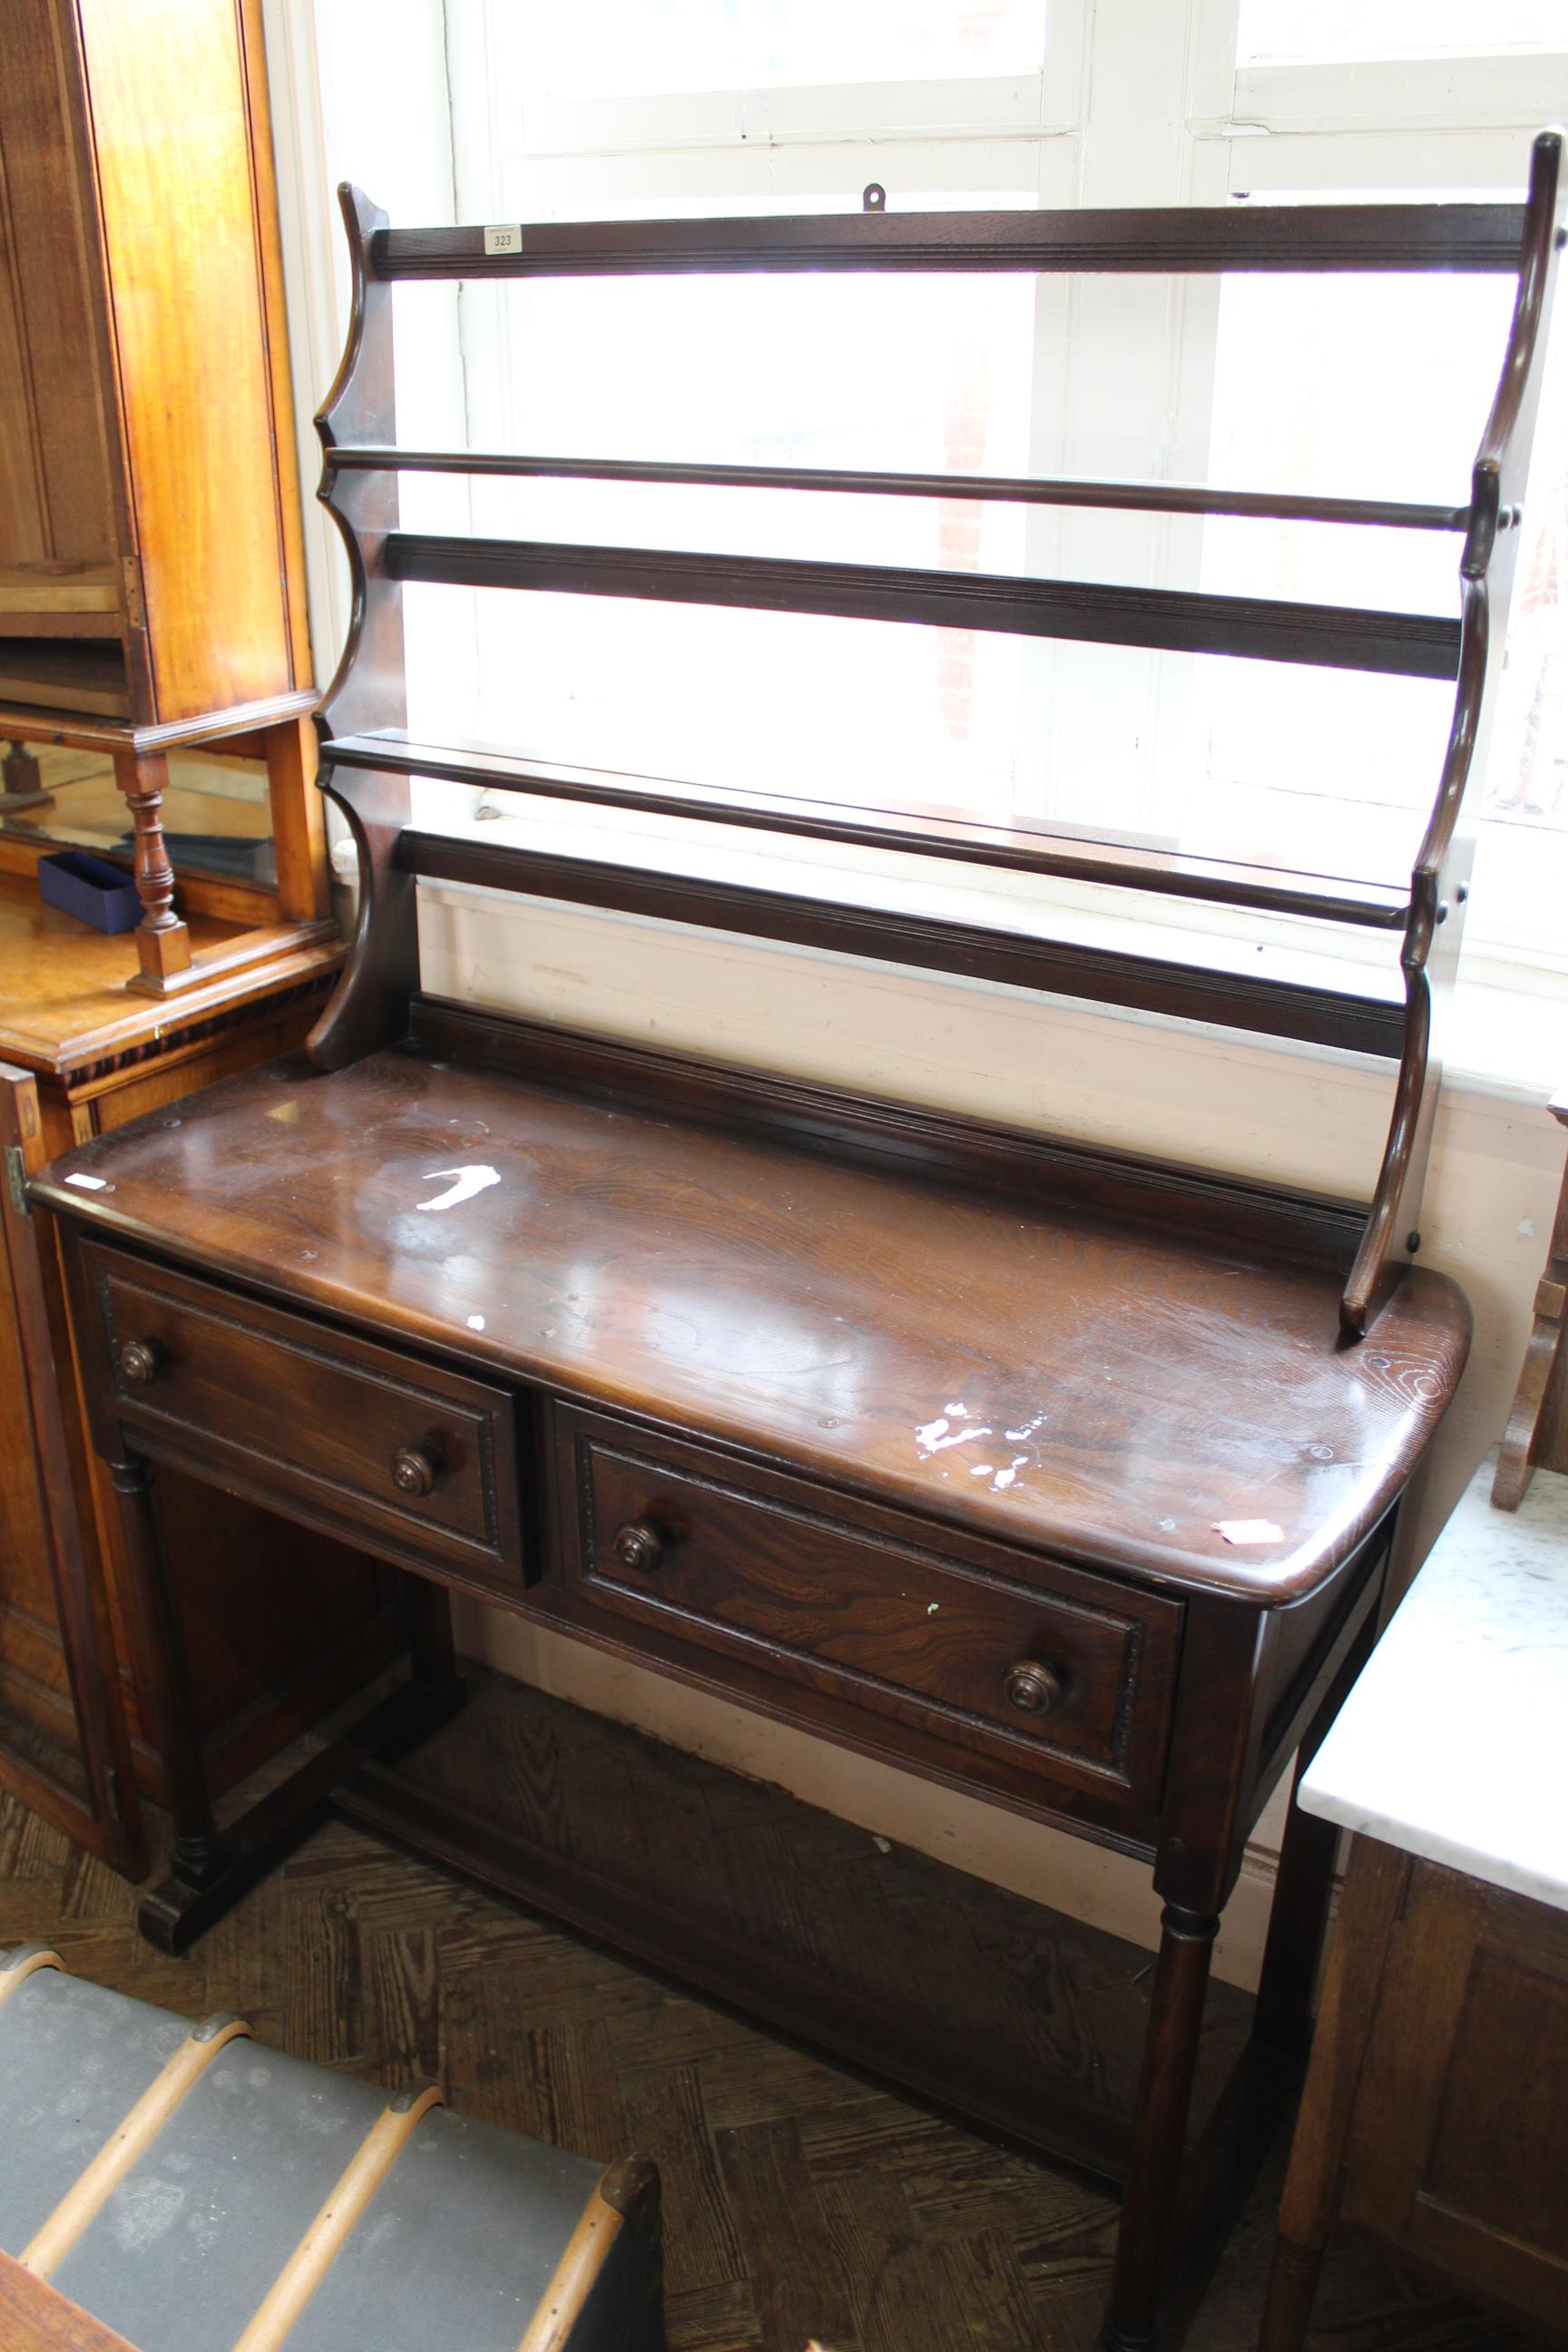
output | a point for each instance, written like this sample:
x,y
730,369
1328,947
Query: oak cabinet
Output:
x,y
152,607
150,570
152,573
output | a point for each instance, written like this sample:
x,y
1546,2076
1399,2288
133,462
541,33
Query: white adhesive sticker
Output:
x,y
88,1184
1248,1531
507,239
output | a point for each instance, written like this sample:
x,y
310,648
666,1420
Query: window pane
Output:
x,y
879,371
1293,32
1323,385
625,48
1382,386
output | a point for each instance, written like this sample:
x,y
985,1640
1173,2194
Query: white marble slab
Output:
x,y
1454,1743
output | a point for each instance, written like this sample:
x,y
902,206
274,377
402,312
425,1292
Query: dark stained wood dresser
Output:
x,y
1063,1476
865,1438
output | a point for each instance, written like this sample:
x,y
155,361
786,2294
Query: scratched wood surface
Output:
x,y
799,2200
1123,1392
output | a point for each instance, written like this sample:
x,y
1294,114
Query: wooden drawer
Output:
x,y
419,1462
1015,1656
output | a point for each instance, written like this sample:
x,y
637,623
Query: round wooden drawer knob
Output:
x,y
639,1547
1032,1688
140,1361
414,1473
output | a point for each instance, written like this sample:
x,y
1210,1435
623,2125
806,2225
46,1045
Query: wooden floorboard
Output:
x,y
799,2198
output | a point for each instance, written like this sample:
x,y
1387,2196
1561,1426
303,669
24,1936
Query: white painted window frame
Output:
x,y
1138,102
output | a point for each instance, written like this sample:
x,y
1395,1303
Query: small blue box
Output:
x,y
90,888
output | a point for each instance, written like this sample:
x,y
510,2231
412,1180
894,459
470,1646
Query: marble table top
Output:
x,y
1454,1743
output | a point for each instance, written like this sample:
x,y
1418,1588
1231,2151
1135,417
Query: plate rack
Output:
x,y
369,757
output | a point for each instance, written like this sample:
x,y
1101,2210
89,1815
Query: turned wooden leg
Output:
x,y
21,780
1292,2290
199,1854
1165,2095
163,942
1374,1888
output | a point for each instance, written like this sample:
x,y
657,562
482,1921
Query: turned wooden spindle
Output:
x,y
163,942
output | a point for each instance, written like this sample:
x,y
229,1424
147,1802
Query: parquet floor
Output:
x,y
799,2200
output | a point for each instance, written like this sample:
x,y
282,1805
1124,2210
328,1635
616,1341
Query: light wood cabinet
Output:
x,y
151,604
150,561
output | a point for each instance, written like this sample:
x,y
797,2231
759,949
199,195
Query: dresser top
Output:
x,y
1454,1743
1132,1396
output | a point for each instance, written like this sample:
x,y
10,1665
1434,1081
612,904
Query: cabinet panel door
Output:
x,y
64,1748
57,492
1456,2152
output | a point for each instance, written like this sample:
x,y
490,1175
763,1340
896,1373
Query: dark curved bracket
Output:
x,y
369,1008
1440,881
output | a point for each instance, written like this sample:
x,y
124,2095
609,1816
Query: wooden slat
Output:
x,y
1300,237
19,1970
922,833
1359,1023
1083,612
314,2257
1141,497
582,2258
125,2146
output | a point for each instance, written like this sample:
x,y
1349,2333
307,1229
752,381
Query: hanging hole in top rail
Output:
x,y
874,197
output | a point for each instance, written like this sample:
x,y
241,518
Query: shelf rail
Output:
x,y
1019,489
369,759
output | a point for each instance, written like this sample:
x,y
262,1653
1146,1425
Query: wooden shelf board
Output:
x,y
33,722
71,621
1484,236
58,588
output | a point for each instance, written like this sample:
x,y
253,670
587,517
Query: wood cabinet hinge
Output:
x,y
135,612
17,1179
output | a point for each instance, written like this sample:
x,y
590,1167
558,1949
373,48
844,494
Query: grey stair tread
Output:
x,y
74,2060
185,2250
456,2248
